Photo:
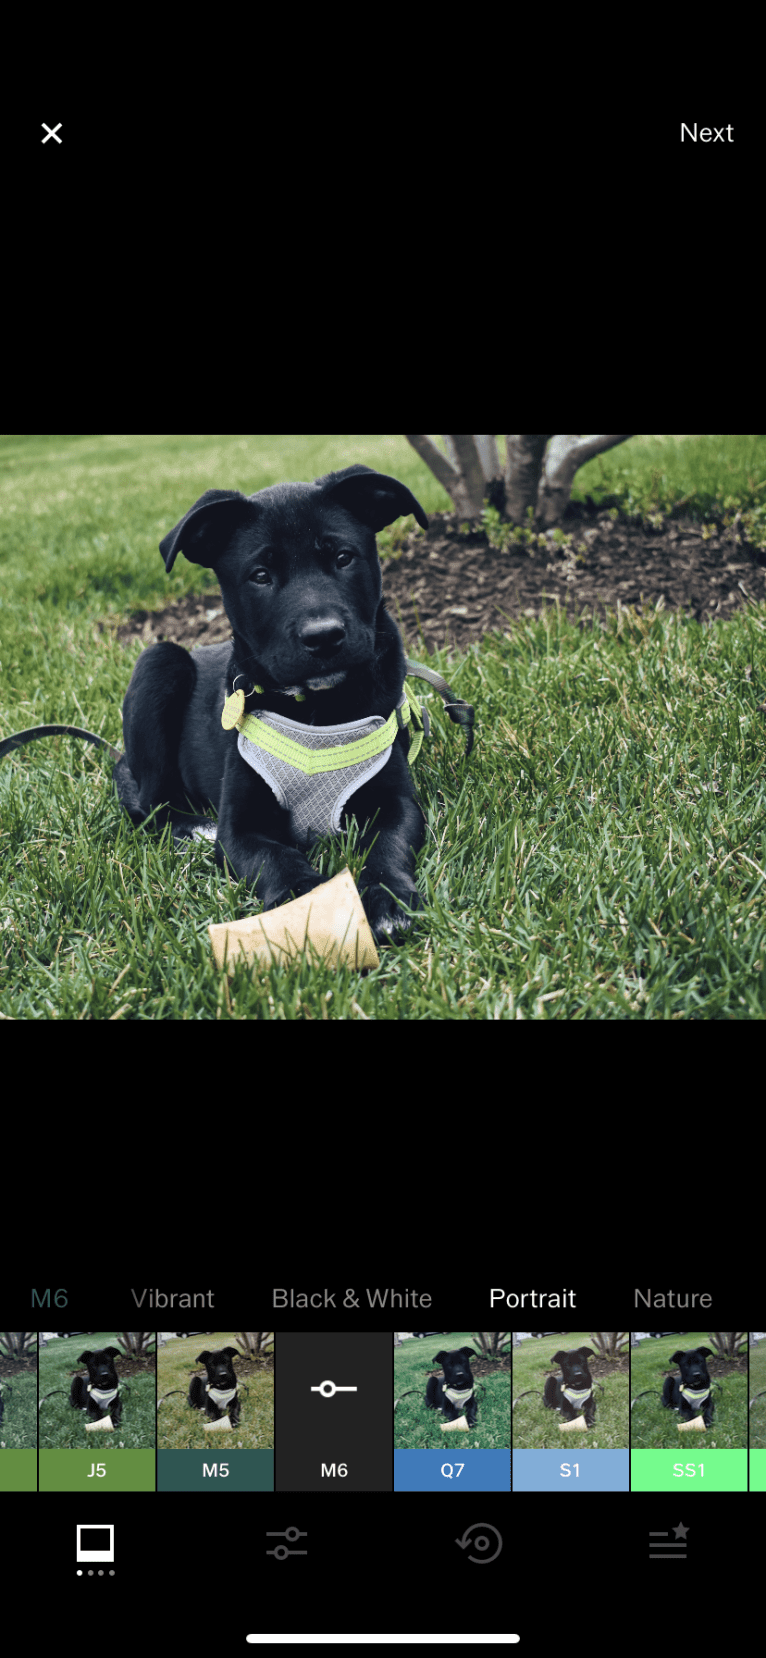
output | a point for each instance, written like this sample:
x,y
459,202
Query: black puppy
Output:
x,y
453,1394
691,1395
99,1394
572,1392
319,664
218,1394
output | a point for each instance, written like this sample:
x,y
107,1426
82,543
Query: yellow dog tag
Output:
x,y
233,709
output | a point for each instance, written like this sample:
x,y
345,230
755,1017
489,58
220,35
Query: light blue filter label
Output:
x,y
574,1471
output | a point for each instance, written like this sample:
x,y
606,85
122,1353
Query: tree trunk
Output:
x,y
539,471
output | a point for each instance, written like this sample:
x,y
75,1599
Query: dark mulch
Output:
x,y
446,588
488,1367
480,1367
717,1367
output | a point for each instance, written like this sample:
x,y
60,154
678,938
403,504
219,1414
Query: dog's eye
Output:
x,y
261,576
343,559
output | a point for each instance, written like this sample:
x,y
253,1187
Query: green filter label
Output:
x,y
18,1471
758,1470
97,1470
673,1470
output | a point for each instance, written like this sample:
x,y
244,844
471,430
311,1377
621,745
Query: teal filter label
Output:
x,y
97,1399
18,1410
215,1469
452,1412
215,1412
571,1411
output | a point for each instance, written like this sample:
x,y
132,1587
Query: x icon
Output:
x,y
50,132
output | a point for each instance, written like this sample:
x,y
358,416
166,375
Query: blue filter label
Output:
x,y
435,1471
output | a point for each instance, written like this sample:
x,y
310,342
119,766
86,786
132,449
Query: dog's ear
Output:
x,y
558,1358
439,1359
85,1357
231,1352
114,1352
372,497
200,533
469,1353
203,1358
677,1357
707,1352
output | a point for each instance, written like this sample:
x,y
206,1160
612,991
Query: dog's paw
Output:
x,y
195,829
384,913
298,889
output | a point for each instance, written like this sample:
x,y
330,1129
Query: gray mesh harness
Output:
x,y
312,769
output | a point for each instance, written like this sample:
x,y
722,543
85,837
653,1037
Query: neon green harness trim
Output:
x,y
313,761
694,1395
577,1395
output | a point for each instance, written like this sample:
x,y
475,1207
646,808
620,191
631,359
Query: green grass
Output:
x,y
654,1428
757,1389
63,1428
704,477
179,1428
535,1428
416,1428
19,1428
602,854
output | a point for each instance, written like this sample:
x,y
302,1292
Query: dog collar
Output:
x,y
234,706
458,1396
220,1395
102,1395
577,1395
461,713
694,1396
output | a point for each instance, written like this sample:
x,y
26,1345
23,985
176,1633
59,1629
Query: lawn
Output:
x,y
417,1427
536,1428
757,1389
601,855
179,1427
654,1427
63,1428
19,1427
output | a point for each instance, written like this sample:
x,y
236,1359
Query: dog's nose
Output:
x,y
323,637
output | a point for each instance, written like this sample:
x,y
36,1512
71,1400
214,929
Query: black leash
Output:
x,y
19,738
461,713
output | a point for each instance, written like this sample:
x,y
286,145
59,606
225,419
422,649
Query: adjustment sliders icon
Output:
x,y
329,1389
292,1534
